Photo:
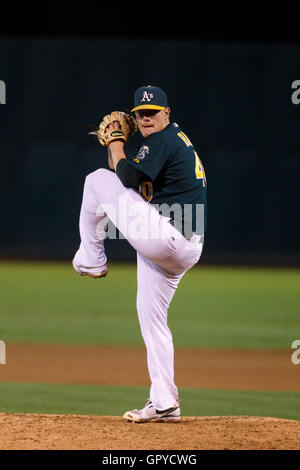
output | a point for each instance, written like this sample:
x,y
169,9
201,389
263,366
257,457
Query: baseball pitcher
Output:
x,y
157,200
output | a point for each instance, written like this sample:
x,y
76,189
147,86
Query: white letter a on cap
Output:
x,y
147,97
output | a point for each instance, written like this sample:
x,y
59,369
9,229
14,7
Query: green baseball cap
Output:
x,y
149,97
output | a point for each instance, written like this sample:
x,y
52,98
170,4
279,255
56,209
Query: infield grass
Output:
x,y
107,400
218,307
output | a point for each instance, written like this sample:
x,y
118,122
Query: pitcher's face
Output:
x,y
152,120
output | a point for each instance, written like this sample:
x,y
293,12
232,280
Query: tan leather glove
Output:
x,y
127,128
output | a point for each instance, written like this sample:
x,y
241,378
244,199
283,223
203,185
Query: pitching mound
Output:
x,y
73,432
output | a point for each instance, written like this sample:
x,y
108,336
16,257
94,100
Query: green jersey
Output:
x,y
177,183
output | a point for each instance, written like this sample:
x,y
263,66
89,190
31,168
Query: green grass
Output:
x,y
107,400
213,306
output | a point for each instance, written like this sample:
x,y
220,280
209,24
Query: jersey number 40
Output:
x,y
199,170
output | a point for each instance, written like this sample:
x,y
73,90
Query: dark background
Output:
x,y
228,77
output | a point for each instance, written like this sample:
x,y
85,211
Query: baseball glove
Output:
x,y
127,128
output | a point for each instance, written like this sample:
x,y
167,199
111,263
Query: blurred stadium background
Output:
x,y
229,84
229,87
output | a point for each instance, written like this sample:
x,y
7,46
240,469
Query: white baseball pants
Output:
x,y
163,256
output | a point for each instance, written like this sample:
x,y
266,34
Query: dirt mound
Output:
x,y
74,432
240,370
